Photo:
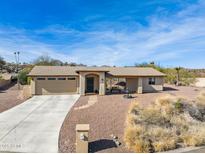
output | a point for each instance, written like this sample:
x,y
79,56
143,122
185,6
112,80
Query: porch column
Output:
x,y
102,84
140,87
33,86
78,85
82,84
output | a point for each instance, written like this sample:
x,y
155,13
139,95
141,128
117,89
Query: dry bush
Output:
x,y
162,125
163,139
142,145
192,139
131,119
169,105
180,123
151,115
164,145
134,107
201,99
133,137
195,136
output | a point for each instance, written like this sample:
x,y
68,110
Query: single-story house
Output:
x,y
82,80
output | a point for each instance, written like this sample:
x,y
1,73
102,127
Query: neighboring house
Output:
x,y
82,80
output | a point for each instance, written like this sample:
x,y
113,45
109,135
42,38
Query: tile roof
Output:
x,y
115,71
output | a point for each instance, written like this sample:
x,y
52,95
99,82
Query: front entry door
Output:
x,y
90,84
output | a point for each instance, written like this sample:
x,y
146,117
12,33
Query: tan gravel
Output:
x,y
106,117
10,97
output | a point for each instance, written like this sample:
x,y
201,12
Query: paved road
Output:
x,y
200,150
190,149
34,125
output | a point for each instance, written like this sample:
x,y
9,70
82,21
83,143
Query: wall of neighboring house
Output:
x,y
158,86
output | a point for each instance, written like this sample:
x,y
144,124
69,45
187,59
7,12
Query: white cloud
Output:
x,y
167,39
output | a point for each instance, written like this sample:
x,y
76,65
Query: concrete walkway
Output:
x,y
91,101
34,125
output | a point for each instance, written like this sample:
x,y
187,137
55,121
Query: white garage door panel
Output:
x,y
55,86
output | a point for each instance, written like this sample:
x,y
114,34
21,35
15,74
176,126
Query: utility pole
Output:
x,y
17,66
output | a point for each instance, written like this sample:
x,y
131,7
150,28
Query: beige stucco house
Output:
x,y
82,80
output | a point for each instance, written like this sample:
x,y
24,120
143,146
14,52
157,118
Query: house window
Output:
x,y
41,78
51,78
71,78
61,78
152,81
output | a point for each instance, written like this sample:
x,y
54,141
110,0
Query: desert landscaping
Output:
x,y
10,96
168,123
107,117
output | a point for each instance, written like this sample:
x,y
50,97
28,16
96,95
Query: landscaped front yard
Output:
x,y
107,115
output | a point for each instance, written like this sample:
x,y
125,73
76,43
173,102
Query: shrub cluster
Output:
x,y
167,124
23,79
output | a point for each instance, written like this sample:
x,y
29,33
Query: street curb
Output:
x,y
185,150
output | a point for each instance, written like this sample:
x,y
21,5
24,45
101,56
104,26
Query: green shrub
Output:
x,y
179,105
23,79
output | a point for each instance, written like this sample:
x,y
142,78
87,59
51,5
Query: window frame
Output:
x,y
40,78
61,78
51,78
152,81
71,78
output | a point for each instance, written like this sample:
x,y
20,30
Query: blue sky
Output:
x,y
105,32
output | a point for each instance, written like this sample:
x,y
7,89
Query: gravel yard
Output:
x,y
107,116
10,97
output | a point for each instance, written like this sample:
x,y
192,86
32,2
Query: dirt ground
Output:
x,y
107,117
10,97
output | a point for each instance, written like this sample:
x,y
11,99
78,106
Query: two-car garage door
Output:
x,y
55,85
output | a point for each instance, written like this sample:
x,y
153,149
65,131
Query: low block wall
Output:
x,y
26,92
4,83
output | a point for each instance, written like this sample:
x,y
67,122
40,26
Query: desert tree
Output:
x,y
2,63
47,61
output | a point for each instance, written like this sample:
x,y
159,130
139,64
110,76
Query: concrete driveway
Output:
x,y
34,125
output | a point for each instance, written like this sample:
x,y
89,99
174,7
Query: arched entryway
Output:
x,y
95,80
92,83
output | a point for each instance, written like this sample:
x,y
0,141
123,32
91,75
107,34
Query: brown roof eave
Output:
x,y
49,75
77,71
137,75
